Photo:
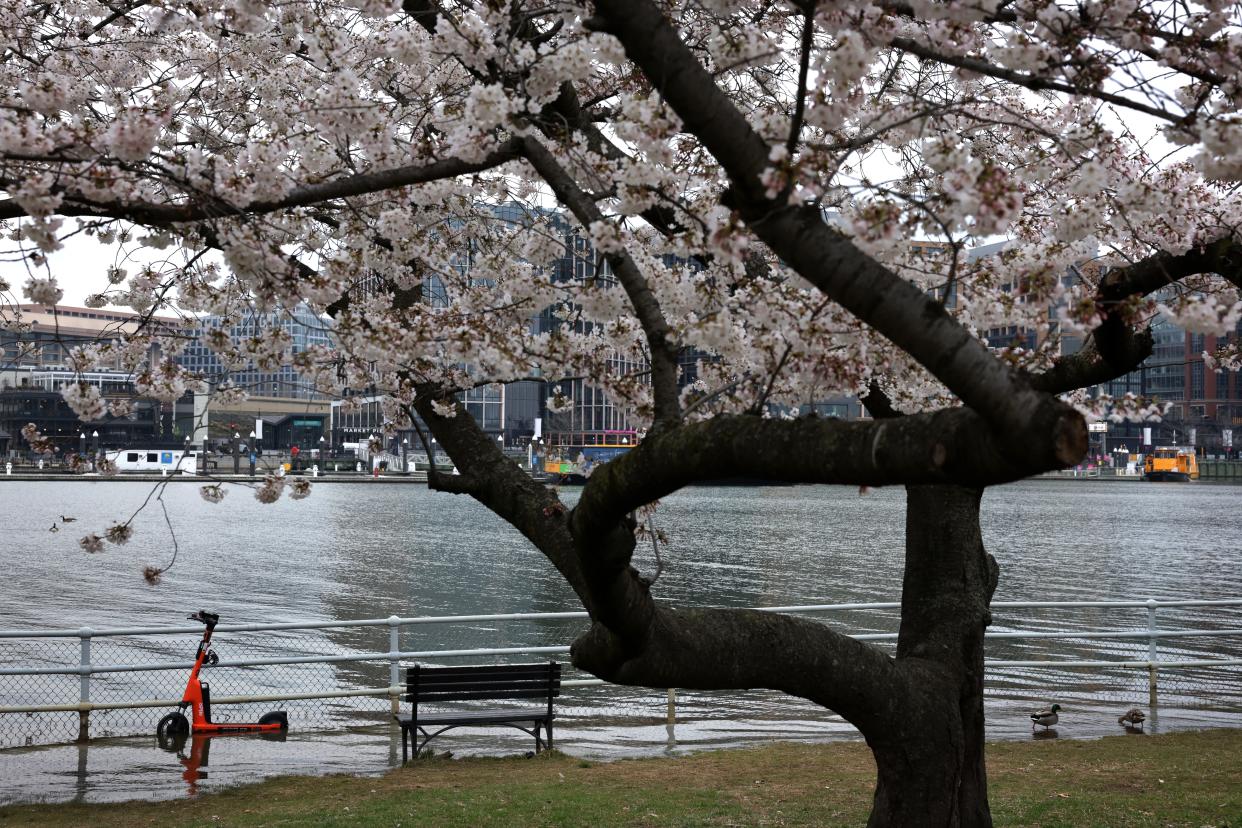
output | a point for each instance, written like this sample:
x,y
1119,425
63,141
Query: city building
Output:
x,y
34,367
302,326
1204,405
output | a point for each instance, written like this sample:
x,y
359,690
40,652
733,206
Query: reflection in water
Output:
x,y
197,758
195,762
1049,733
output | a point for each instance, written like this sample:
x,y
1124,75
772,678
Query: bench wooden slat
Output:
x,y
497,684
498,669
424,697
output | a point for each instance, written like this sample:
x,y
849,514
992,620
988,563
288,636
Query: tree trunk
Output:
x,y
931,765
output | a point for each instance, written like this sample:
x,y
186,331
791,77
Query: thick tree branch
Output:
x,y
746,649
646,308
948,446
503,487
1090,367
894,307
1222,257
1115,348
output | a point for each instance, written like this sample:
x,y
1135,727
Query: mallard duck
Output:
x,y
1132,718
1047,717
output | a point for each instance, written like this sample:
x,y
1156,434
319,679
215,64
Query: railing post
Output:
x,y
1152,695
670,724
84,685
394,663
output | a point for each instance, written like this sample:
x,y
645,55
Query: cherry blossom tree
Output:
x,y
788,189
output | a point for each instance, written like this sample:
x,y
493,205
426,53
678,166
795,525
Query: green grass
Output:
x,y
1185,779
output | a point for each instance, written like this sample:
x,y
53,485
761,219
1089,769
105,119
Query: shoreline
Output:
x,y
1192,778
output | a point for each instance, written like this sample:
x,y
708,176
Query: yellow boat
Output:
x,y
573,460
1170,463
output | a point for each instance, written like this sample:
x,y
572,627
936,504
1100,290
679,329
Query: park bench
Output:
x,y
437,685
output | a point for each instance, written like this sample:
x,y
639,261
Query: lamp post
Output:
x,y
82,446
236,453
405,454
253,455
185,455
95,451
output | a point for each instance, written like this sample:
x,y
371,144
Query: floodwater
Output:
x,y
369,551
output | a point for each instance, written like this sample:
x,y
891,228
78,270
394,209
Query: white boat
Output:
x,y
154,460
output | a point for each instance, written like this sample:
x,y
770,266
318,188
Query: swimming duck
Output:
x,y
1132,718
1047,717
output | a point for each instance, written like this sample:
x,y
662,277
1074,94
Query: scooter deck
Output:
x,y
212,728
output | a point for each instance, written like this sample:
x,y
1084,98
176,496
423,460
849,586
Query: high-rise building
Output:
x,y
303,327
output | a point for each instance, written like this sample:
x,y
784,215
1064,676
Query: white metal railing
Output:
x,y
85,668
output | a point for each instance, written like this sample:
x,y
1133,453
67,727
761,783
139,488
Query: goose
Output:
x,y
54,528
1132,718
64,519
1047,717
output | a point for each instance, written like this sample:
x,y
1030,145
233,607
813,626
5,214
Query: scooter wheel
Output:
x,y
275,716
172,726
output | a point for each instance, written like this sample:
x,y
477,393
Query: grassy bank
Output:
x,y
1185,779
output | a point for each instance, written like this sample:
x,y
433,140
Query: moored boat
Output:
x,y
1171,464
571,463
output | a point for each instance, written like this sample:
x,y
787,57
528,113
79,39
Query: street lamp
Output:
x,y
405,454
253,455
236,453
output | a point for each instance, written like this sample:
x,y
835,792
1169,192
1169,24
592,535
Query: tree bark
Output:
x,y
931,765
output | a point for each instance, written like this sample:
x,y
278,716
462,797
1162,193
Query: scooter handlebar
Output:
x,y
205,617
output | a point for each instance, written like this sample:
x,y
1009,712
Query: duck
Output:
x,y
1047,717
1132,718
64,519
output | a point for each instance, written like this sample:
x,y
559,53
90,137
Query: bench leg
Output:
x,y
549,734
405,756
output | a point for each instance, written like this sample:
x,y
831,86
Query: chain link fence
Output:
x,y
333,676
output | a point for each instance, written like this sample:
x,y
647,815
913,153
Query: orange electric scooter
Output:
x,y
198,698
